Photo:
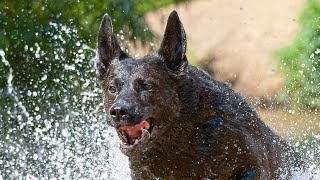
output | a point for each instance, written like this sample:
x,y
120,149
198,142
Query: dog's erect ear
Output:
x,y
108,47
174,44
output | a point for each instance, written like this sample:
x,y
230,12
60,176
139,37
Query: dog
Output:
x,y
176,122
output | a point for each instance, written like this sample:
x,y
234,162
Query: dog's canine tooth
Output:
x,y
144,131
147,126
145,134
136,142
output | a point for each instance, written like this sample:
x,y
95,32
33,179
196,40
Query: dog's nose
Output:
x,y
118,112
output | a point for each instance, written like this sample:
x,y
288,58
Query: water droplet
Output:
x,y
65,133
35,156
34,93
38,117
44,77
312,56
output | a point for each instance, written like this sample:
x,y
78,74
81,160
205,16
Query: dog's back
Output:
x,y
176,122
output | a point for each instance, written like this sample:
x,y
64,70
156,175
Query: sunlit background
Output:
x,y
51,116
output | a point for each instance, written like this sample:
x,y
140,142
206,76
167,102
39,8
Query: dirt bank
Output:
x,y
238,37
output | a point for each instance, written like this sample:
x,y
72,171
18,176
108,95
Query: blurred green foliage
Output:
x,y
300,62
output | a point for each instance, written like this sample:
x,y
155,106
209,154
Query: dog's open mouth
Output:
x,y
132,135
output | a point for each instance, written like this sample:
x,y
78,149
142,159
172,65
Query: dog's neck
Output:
x,y
162,161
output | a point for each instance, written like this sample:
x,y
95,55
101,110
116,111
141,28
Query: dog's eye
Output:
x,y
112,89
147,86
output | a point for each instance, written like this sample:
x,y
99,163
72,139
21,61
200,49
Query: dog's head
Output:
x,y
141,96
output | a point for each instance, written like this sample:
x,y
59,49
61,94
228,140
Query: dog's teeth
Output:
x,y
145,134
136,141
147,126
144,131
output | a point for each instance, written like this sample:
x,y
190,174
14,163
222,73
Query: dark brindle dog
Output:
x,y
176,122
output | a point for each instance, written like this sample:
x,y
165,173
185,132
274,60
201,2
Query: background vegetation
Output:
x,y
300,62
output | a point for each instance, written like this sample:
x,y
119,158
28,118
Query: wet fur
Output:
x,y
202,128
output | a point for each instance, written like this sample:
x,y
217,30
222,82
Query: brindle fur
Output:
x,y
202,129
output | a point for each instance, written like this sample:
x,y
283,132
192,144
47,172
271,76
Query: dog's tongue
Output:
x,y
134,132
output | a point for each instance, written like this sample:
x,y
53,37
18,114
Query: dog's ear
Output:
x,y
108,47
174,44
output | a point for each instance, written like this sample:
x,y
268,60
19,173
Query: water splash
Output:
x,y
10,88
98,157
41,140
